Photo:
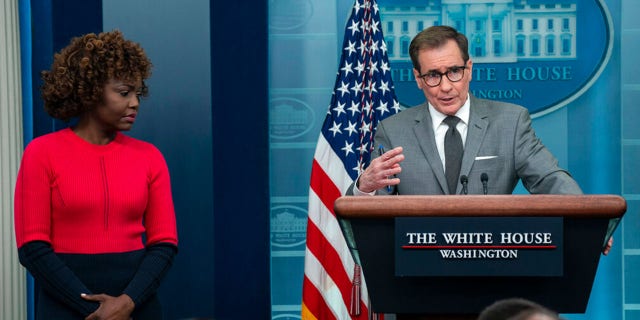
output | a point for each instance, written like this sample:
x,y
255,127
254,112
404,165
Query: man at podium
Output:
x,y
455,143
452,144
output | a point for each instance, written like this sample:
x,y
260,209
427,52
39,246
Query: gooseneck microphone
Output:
x,y
484,177
464,180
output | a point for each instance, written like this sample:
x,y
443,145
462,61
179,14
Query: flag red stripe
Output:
x,y
330,259
326,190
314,302
325,252
323,186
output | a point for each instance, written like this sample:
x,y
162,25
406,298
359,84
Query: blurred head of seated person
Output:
x,y
517,309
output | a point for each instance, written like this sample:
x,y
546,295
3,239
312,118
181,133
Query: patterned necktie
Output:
x,y
452,153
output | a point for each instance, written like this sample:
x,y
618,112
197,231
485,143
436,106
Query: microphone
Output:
x,y
464,180
484,177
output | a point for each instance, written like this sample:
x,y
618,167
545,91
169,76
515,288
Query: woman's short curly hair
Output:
x,y
79,72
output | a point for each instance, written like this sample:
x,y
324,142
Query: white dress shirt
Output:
x,y
440,128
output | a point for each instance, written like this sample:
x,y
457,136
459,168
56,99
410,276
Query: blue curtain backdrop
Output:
x,y
27,102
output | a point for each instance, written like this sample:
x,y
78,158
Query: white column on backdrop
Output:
x,y
12,275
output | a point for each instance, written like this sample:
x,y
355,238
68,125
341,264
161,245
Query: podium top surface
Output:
x,y
578,206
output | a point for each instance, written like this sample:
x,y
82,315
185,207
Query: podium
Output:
x,y
587,221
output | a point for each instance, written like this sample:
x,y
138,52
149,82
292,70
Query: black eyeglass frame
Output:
x,y
440,74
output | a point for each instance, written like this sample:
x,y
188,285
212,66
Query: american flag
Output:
x,y
363,95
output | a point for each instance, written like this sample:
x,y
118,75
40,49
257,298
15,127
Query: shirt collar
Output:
x,y
463,113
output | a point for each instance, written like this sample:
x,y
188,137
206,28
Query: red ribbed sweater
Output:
x,y
85,198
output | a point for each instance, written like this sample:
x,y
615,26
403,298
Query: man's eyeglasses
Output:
x,y
433,78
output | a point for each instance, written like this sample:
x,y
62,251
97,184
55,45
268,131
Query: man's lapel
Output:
x,y
424,133
476,131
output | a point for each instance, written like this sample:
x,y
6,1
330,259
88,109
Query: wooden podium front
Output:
x,y
587,220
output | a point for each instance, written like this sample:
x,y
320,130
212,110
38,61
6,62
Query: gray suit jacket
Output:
x,y
500,142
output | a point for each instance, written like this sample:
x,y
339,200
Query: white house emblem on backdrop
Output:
x,y
541,54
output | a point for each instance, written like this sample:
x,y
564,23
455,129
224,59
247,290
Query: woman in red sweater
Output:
x,y
94,216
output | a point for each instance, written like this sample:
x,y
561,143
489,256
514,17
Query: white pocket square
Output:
x,y
485,157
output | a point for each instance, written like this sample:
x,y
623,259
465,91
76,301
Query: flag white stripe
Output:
x,y
332,165
330,292
328,225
